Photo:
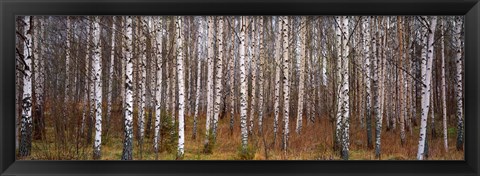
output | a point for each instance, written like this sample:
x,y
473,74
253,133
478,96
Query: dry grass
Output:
x,y
314,143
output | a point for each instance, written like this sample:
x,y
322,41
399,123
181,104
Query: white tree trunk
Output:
x,y
345,89
260,78
376,92
128,140
278,61
243,88
218,75
253,65
444,101
26,120
338,46
210,58
200,49
97,70
143,82
158,87
368,77
301,57
286,83
426,89
181,88
458,75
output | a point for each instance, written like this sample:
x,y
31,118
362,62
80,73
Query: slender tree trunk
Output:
x,y
261,107
278,61
376,92
181,87
459,84
368,78
200,41
210,54
218,75
286,83
243,88
301,57
426,90
97,70
39,75
158,87
400,63
110,80
444,101
128,139
26,120
231,65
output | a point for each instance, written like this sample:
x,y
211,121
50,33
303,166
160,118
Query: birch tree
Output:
x,y
459,84
243,88
158,98
426,90
444,101
200,42
278,60
301,57
367,54
26,120
210,55
97,70
400,63
218,75
181,88
253,64
231,66
286,83
260,77
128,139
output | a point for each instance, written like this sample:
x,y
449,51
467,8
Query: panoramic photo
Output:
x,y
240,88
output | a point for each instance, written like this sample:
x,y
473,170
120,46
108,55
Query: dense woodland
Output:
x,y
239,87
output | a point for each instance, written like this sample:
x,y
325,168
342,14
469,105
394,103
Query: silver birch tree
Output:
x,y
26,120
158,98
181,88
97,71
459,84
128,139
286,83
301,57
218,75
426,89
243,87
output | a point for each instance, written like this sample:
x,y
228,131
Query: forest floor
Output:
x,y
314,143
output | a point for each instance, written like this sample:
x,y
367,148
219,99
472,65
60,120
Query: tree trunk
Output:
x,y
110,80
218,75
459,84
444,101
26,120
97,71
210,55
278,61
158,87
301,57
286,83
426,90
243,88
181,88
128,139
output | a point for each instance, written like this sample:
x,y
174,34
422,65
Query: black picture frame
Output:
x,y
9,9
